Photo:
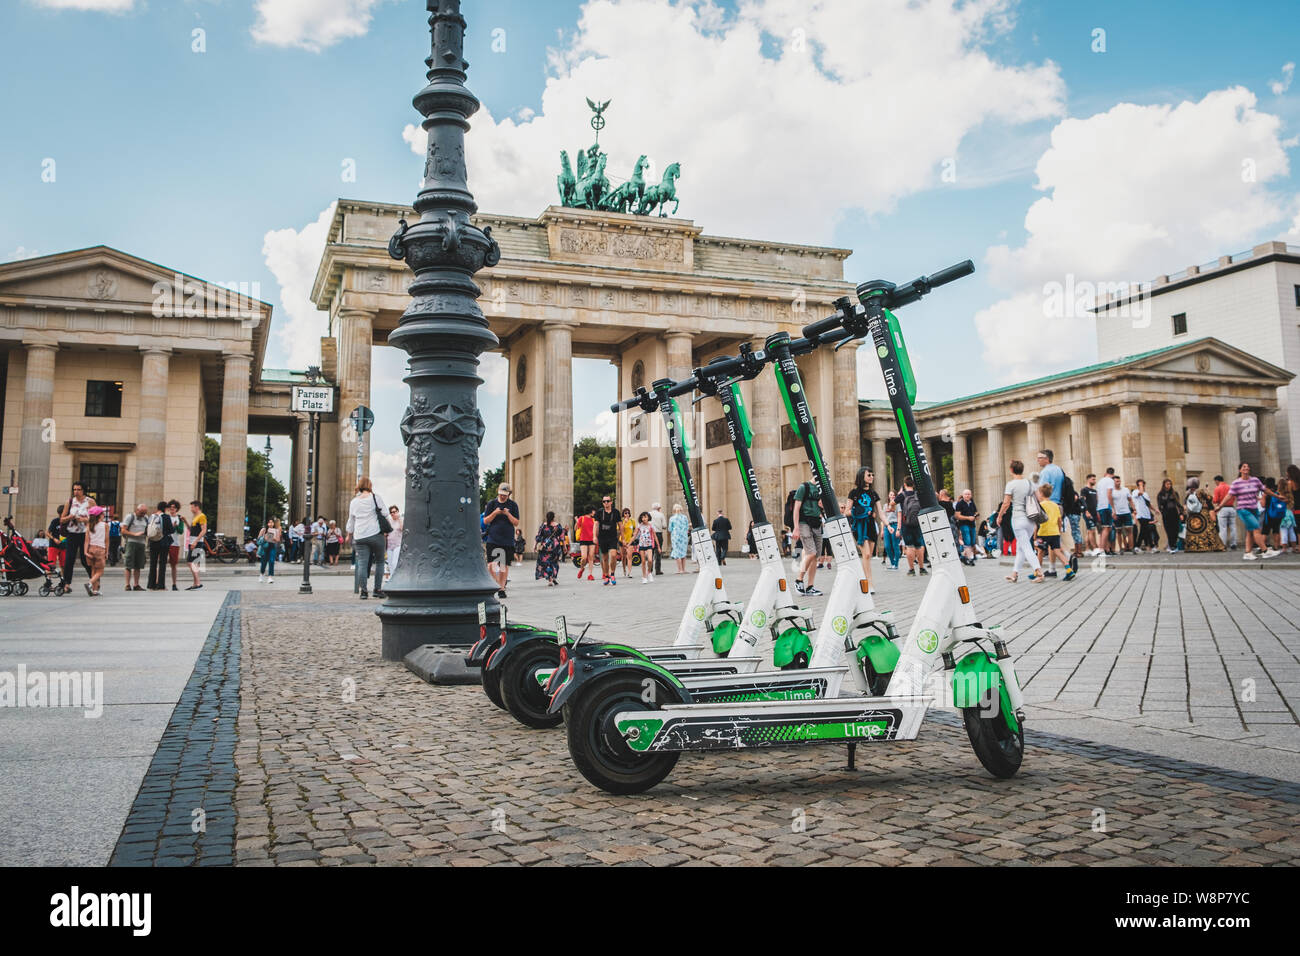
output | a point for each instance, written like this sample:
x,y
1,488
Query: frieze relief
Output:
x,y
587,242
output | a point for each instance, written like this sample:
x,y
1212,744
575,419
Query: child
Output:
x,y
1049,532
645,542
96,548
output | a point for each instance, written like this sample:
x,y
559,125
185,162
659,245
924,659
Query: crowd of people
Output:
x,y
1043,520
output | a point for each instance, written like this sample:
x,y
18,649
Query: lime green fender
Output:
x,y
724,635
976,673
881,651
788,645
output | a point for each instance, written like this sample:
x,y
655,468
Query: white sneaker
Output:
x,y
645,580
1270,553
271,579
1249,556
261,579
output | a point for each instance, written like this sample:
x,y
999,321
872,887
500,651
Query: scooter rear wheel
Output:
x,y
491,681
522,695
598,749
998,748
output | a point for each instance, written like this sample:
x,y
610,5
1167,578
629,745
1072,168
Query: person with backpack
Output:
x,y
864,512
909,519
808,513
135,532
1021,503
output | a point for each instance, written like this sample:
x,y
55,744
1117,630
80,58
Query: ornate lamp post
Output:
x,y
442,575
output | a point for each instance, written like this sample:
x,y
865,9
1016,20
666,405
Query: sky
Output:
x,y
1048,142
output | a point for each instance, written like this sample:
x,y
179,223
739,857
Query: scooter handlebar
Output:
x,y
625,404
684,387
950,274
815,330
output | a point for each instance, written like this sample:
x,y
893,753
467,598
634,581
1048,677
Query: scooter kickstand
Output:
x,y
853,756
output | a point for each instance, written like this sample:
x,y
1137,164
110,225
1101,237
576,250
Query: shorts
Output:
x,y
1089,521
134,560
174,554
609,544
912,537
95,558
810,537
499,553
1272,525
586,544
1124,520
1103,518
1050,541
967,534
1249,518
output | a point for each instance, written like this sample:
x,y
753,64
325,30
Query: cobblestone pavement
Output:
x,y
343,758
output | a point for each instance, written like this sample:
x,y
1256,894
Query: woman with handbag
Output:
x,y
1020,501
268,549
367,528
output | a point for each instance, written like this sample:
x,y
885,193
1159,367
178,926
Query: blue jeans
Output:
x,y
967,534
268,559
893,548
368,553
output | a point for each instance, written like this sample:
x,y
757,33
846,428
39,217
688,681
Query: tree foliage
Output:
x,y
487,485
595,473
258,474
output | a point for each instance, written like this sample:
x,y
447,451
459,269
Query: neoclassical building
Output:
x,y
112,368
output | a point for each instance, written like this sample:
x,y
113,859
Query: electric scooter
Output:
x,y
625,738
852,627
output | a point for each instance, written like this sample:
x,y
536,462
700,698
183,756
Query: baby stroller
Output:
x,y
18,564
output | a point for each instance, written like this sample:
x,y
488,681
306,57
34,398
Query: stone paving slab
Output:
x,y
343,758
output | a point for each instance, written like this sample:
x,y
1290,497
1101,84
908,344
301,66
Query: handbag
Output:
x,y
385,526
1033,510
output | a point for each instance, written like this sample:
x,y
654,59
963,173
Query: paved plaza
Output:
x,y
1162,728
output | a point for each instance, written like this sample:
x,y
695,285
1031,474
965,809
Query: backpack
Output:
x,y
1070,503
155,531
789,511
810,493
911,509
1193,503
1033,510
1275,508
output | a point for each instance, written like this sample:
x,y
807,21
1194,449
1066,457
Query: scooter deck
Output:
x,y
802,684
729,726
673,652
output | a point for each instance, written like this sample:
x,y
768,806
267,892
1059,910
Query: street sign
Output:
x,y
363,419
9,490
313,398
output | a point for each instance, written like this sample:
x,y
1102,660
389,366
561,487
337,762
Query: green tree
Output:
x,y
258,475
595,473
487,485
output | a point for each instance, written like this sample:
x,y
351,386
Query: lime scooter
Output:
x,y
628,743
854,638
518,660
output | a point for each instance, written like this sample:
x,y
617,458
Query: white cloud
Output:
x,y
292,255
603,427
388,473
311,24
835,106
1281,86
93,6
1131,193
22,252
494,368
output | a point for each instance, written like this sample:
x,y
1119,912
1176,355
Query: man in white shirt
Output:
x,y
660,525
1122,510
318,529
1105,517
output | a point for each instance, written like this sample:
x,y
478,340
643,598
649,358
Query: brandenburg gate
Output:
x,y
654,295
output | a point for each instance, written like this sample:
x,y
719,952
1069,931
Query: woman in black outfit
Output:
x,y
1171,513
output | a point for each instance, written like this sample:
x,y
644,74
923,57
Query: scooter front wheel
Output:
x,y
998,747
522,695
492,685
597,747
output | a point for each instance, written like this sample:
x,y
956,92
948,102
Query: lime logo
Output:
x,y
881,351
669,424
759,618
794,387
699,612
840,625
927,641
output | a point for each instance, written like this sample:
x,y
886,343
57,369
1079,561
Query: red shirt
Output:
x,y
1220,492
586,528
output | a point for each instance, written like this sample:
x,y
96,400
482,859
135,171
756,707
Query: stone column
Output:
x,y
1268,459
1130,437
151,437
298,494
232,475
556,423
960,465
38,432
844,403
681,362
1034,439
355,331
1229,449
997,473
1081,444
880,467
1175,457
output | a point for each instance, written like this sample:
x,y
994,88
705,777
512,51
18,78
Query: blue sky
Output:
x,y
191,158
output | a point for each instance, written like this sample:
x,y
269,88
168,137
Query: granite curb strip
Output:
x,y
184,813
